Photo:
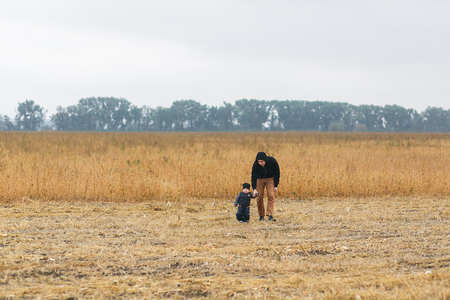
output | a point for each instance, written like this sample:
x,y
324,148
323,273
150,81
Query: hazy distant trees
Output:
x,y
110,114
252,114
6,124
189,115
30,116
98,114
118,114
223,117
369,115
436,119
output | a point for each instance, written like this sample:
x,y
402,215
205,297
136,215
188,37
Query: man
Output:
x,y
265,174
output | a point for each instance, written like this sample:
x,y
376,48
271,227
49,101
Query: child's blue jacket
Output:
x,y
243,199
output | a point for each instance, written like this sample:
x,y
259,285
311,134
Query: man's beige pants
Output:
x,y
269,185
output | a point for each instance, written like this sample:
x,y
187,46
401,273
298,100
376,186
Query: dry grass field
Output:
x,y
128,167
374,248
150,215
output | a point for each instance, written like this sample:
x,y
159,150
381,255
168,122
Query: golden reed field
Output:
x,y
130,167
150,216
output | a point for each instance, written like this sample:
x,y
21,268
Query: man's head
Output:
x,y
261,158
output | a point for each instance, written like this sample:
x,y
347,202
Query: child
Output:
x,y
242,202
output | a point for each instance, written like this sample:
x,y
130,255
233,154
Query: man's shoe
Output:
x,y
270,218
246,221
241,221
261,218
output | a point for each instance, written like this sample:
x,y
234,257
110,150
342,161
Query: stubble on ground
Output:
x,y
389,248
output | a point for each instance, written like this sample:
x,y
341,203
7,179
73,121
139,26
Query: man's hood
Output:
x,y
261,155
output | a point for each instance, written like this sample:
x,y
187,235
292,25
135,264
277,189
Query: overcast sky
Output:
x,y
155,52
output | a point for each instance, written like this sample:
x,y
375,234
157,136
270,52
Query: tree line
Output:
x,y
118,114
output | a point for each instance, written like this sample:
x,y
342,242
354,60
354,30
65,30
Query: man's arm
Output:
x,y
254,175
276,171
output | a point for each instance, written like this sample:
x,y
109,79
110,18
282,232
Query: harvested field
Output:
x,y
373,248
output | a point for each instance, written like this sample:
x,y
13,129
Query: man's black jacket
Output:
x,y
270,169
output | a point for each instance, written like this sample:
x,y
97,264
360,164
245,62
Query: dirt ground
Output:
x,y
377,248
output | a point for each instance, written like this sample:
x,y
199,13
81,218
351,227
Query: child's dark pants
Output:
x,y
243,213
